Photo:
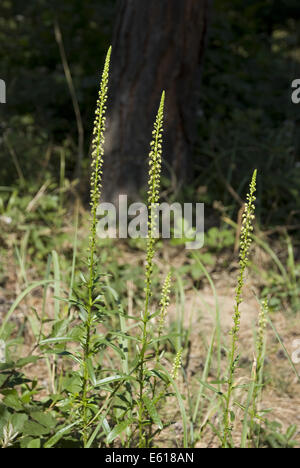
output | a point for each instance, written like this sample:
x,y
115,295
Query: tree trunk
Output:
x,y
157,45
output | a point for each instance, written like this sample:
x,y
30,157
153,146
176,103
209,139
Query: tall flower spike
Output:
x,y
98,147
247,226
245,243
260,345
176,364
262,323
164,302
96,177
153,197
155,157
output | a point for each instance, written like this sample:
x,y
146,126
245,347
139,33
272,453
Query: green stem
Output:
x,y
142,368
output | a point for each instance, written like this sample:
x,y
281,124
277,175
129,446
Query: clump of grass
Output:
x,y
233,358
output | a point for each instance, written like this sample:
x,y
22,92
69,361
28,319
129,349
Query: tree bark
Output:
x,y
157,45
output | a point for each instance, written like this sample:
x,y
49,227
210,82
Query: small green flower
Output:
x,y
164,302
98,152
176,364
260,340
153,189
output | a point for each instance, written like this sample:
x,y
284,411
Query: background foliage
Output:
x,y
246,118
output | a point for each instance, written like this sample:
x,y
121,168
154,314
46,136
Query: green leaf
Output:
x,y
91,371
60,339
35,443
152,412
44,418
210,387
158,374
24,361
59,328
54,439
106,426
7,365
114,378
24,441
118,430
82,278
77,333
125,336
72,384
35,429
3,378
112,291
291,431
12,400
18,420
115,348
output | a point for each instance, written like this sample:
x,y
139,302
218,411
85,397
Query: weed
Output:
x,y
91,317
233,358
153,197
